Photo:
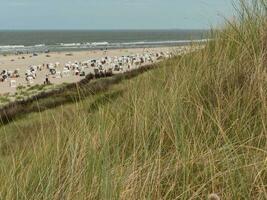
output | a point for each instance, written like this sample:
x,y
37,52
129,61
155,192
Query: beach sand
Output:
x,y
12,62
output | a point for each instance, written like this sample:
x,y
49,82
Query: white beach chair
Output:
x,y
58,75
13,83
30,80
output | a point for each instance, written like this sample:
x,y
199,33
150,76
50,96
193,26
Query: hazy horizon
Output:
x,y
113,15
177,29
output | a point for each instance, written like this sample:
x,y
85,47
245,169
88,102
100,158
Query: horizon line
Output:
x,y
130,29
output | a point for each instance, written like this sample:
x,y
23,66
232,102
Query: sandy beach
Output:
x,y
22,63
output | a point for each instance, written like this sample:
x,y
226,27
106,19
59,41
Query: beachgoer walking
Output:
x,y
46,80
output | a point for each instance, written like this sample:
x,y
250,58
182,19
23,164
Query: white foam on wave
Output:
x,y
62,46
70,44
39,45
100,44
12,46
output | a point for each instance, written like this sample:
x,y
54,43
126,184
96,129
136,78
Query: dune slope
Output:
x,y
194,126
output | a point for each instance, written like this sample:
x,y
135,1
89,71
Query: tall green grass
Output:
x,y
194,126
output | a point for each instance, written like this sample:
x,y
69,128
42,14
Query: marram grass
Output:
x,y
195,128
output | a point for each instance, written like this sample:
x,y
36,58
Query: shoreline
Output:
x,y
64,49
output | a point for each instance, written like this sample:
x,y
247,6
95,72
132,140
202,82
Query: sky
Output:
x,y
113,14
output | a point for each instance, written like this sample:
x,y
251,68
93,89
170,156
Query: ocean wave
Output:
x,y
94,45
100,44
39,45
70,44
12,46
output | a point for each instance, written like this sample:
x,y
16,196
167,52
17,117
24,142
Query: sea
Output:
x,y
25,41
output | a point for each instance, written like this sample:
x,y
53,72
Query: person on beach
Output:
x,y
46,80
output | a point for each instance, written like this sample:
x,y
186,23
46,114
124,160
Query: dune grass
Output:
x,y
194,126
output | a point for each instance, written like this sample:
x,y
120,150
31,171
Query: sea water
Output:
x,y
67,40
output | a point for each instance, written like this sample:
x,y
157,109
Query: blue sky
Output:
x,y
113,14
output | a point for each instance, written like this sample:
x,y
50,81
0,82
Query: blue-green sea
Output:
x,y
54,40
